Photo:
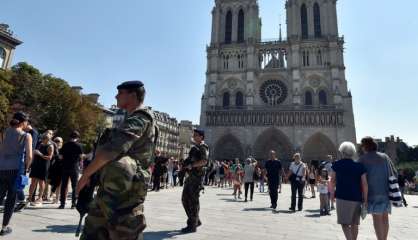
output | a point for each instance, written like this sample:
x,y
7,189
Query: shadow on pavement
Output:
x,y
231,200
43,207
286,211
313,210
161,235
316,215
58,229
256,209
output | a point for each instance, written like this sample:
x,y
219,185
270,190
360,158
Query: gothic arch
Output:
x,y
317,20
304,21
318,147
228,27
226,99
228,147
241,26
308,97
323,97
273,139
239,99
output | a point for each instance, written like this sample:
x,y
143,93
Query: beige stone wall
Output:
x,y
8,56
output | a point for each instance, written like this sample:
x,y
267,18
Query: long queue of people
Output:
x,y
49,162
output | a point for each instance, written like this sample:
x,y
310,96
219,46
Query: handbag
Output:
x,y
21,182
395,196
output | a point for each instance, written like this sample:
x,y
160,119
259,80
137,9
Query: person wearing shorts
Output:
x,y
350,179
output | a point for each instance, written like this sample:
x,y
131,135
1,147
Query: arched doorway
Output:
x,y
273,139
228,147
318,147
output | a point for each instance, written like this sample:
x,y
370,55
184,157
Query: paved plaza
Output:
x,y
222,217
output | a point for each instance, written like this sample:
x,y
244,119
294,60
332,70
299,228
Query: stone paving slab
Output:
x,y
222,217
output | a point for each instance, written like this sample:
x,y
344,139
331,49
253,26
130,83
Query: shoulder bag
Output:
x,y
395,196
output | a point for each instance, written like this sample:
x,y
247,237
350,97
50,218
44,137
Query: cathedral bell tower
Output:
x,y
235,21
309,19
287,94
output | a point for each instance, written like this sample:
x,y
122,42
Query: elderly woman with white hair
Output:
x,y
349,178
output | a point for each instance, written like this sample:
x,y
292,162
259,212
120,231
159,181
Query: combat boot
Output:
x,y
188,229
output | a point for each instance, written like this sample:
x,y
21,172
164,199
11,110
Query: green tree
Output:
x,y
6,89
53,104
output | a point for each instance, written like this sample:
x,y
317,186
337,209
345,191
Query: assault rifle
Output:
x,y
86,195
186,163
185,170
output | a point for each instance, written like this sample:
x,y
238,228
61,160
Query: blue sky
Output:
x,y
97,44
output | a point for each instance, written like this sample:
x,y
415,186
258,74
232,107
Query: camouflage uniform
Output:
x,y
193,185
116,213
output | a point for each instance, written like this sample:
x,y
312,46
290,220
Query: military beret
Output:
x,y
200,132
130,85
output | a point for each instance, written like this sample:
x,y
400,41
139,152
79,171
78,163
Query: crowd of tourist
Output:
x,y
355,184
49,162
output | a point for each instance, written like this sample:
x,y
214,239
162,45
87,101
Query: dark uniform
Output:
x,y
117,212
193,186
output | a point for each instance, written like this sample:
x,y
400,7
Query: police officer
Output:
x,y
123,156
198,158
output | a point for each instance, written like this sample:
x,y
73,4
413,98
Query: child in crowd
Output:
x,y
237,181
228,175
323,192
262,179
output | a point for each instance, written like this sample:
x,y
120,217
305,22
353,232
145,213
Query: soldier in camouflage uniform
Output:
x,y
198,158
123,157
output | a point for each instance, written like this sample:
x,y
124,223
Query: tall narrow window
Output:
x,y
317,20
225,102
2,56
239,99
319,58
308,98
323,98
227,62
241,24
304,21
228,27
304,58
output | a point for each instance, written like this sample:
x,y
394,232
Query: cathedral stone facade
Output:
x,y
287,94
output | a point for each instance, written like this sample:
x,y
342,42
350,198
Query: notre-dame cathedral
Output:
x,y
287,95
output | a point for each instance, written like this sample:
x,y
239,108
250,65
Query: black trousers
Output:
x,y
156,183
175,179
8,185
251,186
403,196
273,186
297,187
73,176
181,180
